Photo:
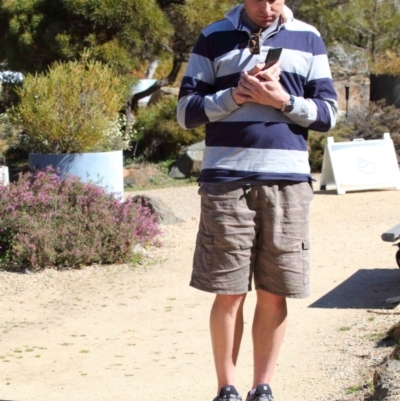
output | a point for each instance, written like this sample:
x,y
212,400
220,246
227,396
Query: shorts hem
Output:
x,y
218,291
298,295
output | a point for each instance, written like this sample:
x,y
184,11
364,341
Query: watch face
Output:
x,y
288,108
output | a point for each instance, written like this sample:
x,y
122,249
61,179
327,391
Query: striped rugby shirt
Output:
x,y
254,142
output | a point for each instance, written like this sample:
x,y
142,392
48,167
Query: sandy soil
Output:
x,y
141,333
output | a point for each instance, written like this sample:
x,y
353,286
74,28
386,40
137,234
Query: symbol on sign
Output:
x,y
366,166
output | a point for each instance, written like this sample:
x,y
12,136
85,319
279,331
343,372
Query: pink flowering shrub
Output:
x,y
46,221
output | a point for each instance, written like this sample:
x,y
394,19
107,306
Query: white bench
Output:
x,y
391,235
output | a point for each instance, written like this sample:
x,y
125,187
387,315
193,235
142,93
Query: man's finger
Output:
x,y
256,69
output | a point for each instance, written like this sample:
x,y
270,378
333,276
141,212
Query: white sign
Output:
x,y
4,180
360,165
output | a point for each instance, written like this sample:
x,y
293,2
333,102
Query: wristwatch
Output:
x,y
288,107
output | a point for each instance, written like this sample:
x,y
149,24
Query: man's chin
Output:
x,y
266,23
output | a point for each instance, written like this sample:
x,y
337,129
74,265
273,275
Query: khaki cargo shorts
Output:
x,y
253,230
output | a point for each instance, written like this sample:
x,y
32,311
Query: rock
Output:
x,y
139,175
157,206
162,93
189,163
395,332
139,250
396,353
386,381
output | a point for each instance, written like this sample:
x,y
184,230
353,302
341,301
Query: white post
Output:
x,y
4,177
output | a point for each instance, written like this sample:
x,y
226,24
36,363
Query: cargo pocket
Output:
x,y
204,254
306,261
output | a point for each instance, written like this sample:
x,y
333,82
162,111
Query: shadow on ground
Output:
x,y
365,289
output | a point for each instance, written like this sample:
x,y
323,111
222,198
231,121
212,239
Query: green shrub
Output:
x,y
160,136
73,108
386,63
46,221
373,122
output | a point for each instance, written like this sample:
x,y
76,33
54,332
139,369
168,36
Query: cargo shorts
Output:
x,y
253,231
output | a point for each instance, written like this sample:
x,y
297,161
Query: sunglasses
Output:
x,y
254,43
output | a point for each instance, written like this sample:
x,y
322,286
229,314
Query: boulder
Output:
x,y
189,163
395,353
139,175
387,381
395,332
162,93
164,214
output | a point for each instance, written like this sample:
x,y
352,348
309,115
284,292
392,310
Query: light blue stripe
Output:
x,y
300,26
218,26
302,64
249,112
320,68
256,160
219,105
304,113
181,111
200,68
237,61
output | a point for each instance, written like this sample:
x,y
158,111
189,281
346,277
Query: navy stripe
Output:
x,y
322,87
192,85
322,124
227,81
218,175
293,83
257,135
219,43
195,114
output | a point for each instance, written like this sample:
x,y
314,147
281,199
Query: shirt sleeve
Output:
x,y
317,109
198,101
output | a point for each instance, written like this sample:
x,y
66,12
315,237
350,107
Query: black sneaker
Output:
x,y
263,393
228,393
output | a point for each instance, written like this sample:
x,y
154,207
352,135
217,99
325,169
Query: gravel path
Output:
x,y
124,333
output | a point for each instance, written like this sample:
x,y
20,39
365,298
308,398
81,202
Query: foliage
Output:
x,y
6,132
372,25
387,63
370,123
73,108
373,123
46,221
191,17
160,136
123,33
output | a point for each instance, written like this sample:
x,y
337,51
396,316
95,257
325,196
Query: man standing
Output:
x,y
255,180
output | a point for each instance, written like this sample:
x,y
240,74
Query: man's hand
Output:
x,y
261,86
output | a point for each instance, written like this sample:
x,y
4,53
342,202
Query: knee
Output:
x,y
229,302
270,300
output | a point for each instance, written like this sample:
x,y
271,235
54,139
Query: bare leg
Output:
x,y
226,327
269,326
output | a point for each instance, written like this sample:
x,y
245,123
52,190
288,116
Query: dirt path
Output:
x,y
123,333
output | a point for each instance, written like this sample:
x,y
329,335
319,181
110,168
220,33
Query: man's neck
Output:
x,y
249,23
